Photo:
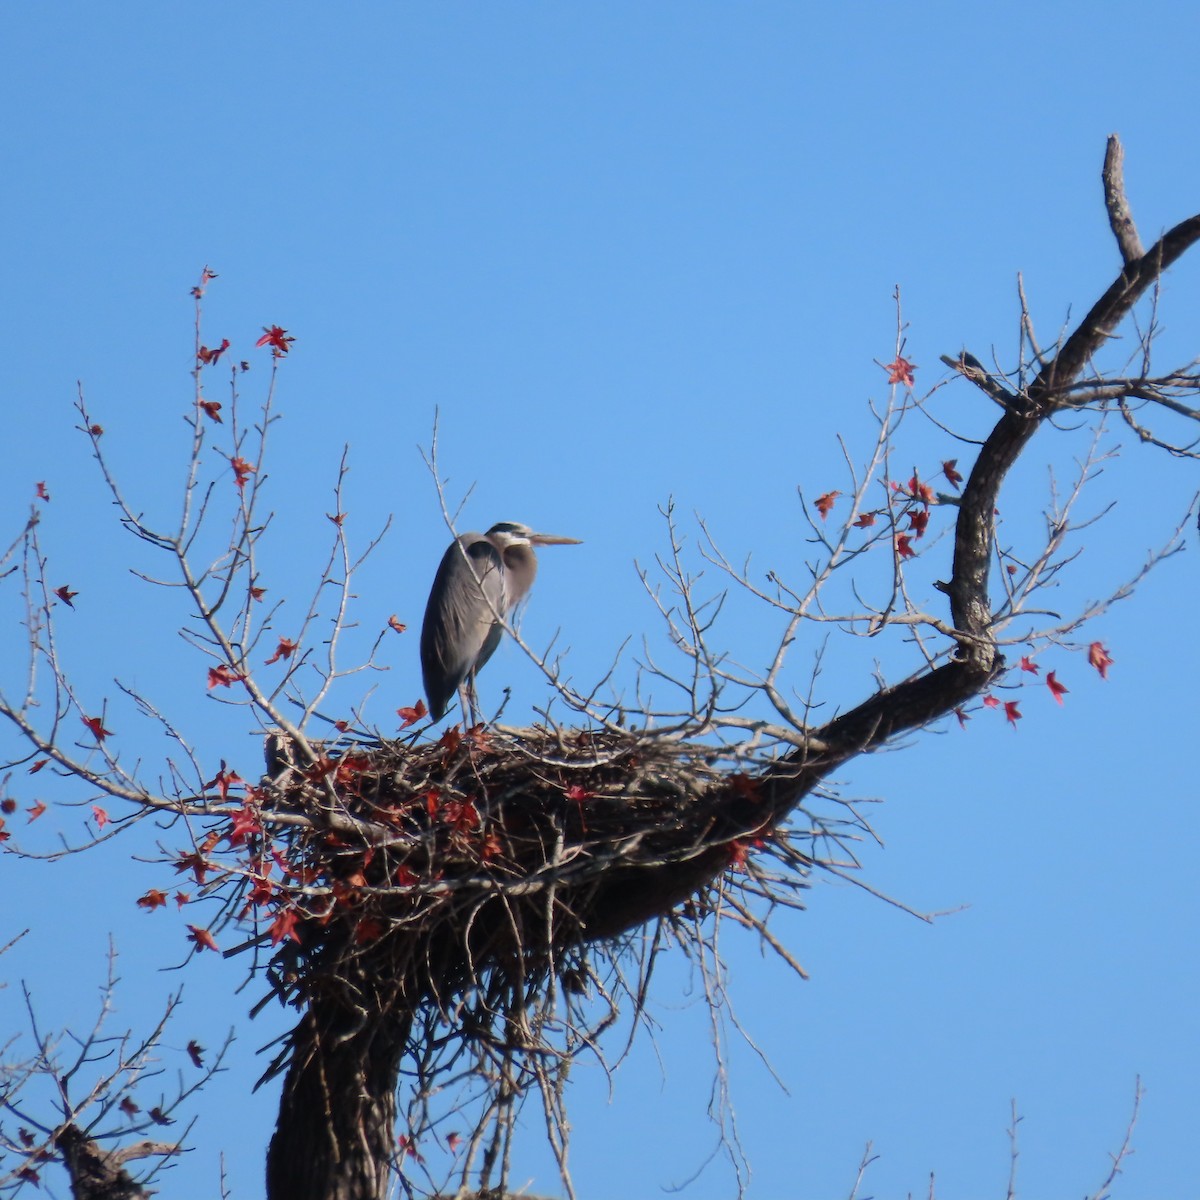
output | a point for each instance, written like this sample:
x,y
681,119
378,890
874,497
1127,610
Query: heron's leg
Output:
x,y
469,702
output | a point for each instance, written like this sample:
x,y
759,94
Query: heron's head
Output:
x,y
513,533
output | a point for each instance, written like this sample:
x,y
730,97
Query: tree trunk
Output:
x,y
334,1139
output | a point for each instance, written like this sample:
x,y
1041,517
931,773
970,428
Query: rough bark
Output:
x,y
335,1137
99,1174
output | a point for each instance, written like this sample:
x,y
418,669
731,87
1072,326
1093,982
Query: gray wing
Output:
x,y
460,632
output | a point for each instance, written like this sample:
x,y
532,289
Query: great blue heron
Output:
x,y
481,579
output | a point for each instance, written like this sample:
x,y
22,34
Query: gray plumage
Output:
x,y
481,579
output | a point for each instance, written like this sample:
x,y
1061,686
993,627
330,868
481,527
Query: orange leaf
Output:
x,y
285,649
222,676
207,357
823,504
900,370
396,624
242,470
203,939
1099,658
152,899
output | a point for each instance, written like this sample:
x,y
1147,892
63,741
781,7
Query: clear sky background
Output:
x,y
634,251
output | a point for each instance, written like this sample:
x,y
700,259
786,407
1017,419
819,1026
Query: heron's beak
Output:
x,y
550,539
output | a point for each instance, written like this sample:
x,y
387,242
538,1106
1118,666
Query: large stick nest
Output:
x,y
426,862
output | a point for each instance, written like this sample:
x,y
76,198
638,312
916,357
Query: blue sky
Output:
x,y
632,252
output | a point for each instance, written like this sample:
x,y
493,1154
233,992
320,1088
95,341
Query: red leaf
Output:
x,y
257,593
408,1146
65,594
197,864
37,766
737,851
990,702
277,339
1012,714
182,898
461,815
156,1114
450,740
368,930
823,504
222,676
920,491
152,899
242,470
284,926
1099,658
1027,664
904,546
212,410
196,1052
917,521
36,810
397,625
452,1141
952,476
865,521
963,717
128,1107
42,494
900,370
285,649
245,825
341,726
101,817
207,357
1057,690
96,430
203,939
411,715
96,725
337,518
223,781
